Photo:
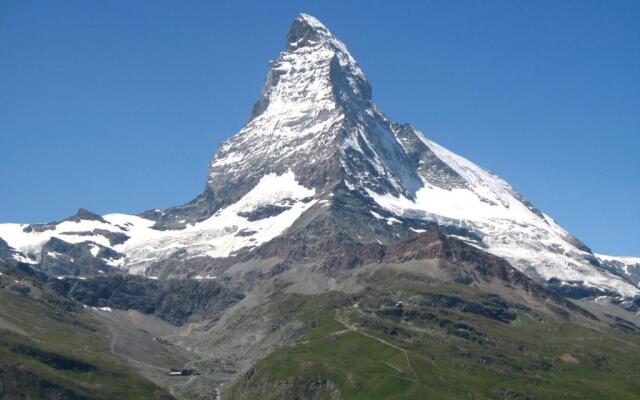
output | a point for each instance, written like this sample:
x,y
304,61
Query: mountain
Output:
x,y
314,143
326,226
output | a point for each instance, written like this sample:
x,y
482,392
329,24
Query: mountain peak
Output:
x,y
308,35
307,30
314,72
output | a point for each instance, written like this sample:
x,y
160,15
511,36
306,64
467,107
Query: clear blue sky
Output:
x,y
118,105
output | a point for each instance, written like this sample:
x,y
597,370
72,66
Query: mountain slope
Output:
x,y
53,348
468,326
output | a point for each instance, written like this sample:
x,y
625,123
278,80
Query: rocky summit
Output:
x,y
334,254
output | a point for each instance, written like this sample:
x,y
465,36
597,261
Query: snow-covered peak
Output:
x,y
316,117
307,30
315,137
311,91
313,54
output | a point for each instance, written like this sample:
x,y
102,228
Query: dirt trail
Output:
x,y
393,366
353,328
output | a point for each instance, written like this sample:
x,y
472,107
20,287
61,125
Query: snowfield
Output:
x,y
216,236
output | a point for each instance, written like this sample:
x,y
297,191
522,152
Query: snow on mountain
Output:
x,y
510,227
314,116
313,130
29,239
259,216
628,267
623,260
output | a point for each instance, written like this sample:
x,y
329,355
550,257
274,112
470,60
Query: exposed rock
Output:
x,y
568,358
75,259
175,301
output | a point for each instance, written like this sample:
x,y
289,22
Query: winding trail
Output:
x,y
353,328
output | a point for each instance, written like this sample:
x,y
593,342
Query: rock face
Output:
x,y
6,252
175,301
317,162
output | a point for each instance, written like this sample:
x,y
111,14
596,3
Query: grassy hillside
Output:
x,y
446,342
51,348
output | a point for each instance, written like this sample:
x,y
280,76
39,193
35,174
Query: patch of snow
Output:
x,y
349,186
115,262
21,258
53,254
94,249
376,215
229,159
201,277
392,221
107,309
